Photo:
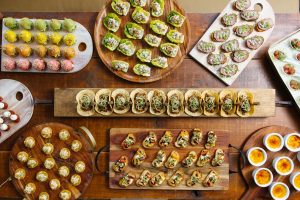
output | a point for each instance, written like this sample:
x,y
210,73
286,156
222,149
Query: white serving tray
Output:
x,y
267,12
284,45
81,59
24,108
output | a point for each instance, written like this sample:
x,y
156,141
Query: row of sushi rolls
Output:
x,y
135,31
48,42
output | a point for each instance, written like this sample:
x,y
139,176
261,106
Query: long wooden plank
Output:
x,y
65,102
117,135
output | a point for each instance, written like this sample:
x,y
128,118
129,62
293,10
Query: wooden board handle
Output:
x,y
90,136
4,182
102,149
241,164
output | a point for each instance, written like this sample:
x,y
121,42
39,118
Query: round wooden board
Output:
x,y
256,140
85,155
156,73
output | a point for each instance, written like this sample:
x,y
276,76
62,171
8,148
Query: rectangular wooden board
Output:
x,y
117,135
266,12
65,102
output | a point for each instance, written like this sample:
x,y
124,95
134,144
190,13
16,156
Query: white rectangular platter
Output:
x,y
266,12
81,59
284,46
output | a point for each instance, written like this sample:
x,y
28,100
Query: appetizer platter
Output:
x,y
142,41
234,38
44,46
272,169
285,55
167,159
163,102
52,161
16,107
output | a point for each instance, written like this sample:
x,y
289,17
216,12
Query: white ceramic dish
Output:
x,y
284,46
277,183
286,140
258,170
292,178
270,148
276,160
257,164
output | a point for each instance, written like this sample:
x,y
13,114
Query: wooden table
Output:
x,y
259,74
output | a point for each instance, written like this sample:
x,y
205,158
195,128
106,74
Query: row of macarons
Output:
x,y
38,64
40,24
40,37
41,51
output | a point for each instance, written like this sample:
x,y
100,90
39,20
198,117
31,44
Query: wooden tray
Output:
x,y
81,59
85,155
267,12
117,135
256,140
9,89
65,102
156,73
284,45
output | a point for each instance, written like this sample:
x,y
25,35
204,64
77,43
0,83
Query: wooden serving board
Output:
x,y
266,12
284,45
81,59
117,135
256,140
65,102
156,73
85,155
23,107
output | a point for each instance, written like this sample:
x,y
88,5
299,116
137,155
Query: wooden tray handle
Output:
x,y
102,149
90,136
242,163
6,181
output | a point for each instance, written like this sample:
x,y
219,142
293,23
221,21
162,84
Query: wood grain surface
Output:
x,y
256,140
156,73
65,102
258,74
22,106
85,155
117,135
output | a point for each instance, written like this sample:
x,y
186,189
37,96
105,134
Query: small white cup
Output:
x,y
276,160
286,139
277,183
292,178
257,164
272,149
258,170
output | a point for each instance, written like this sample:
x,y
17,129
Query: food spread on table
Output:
x,y
285,56
40,45
187,159
234,38
51,161
141,41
